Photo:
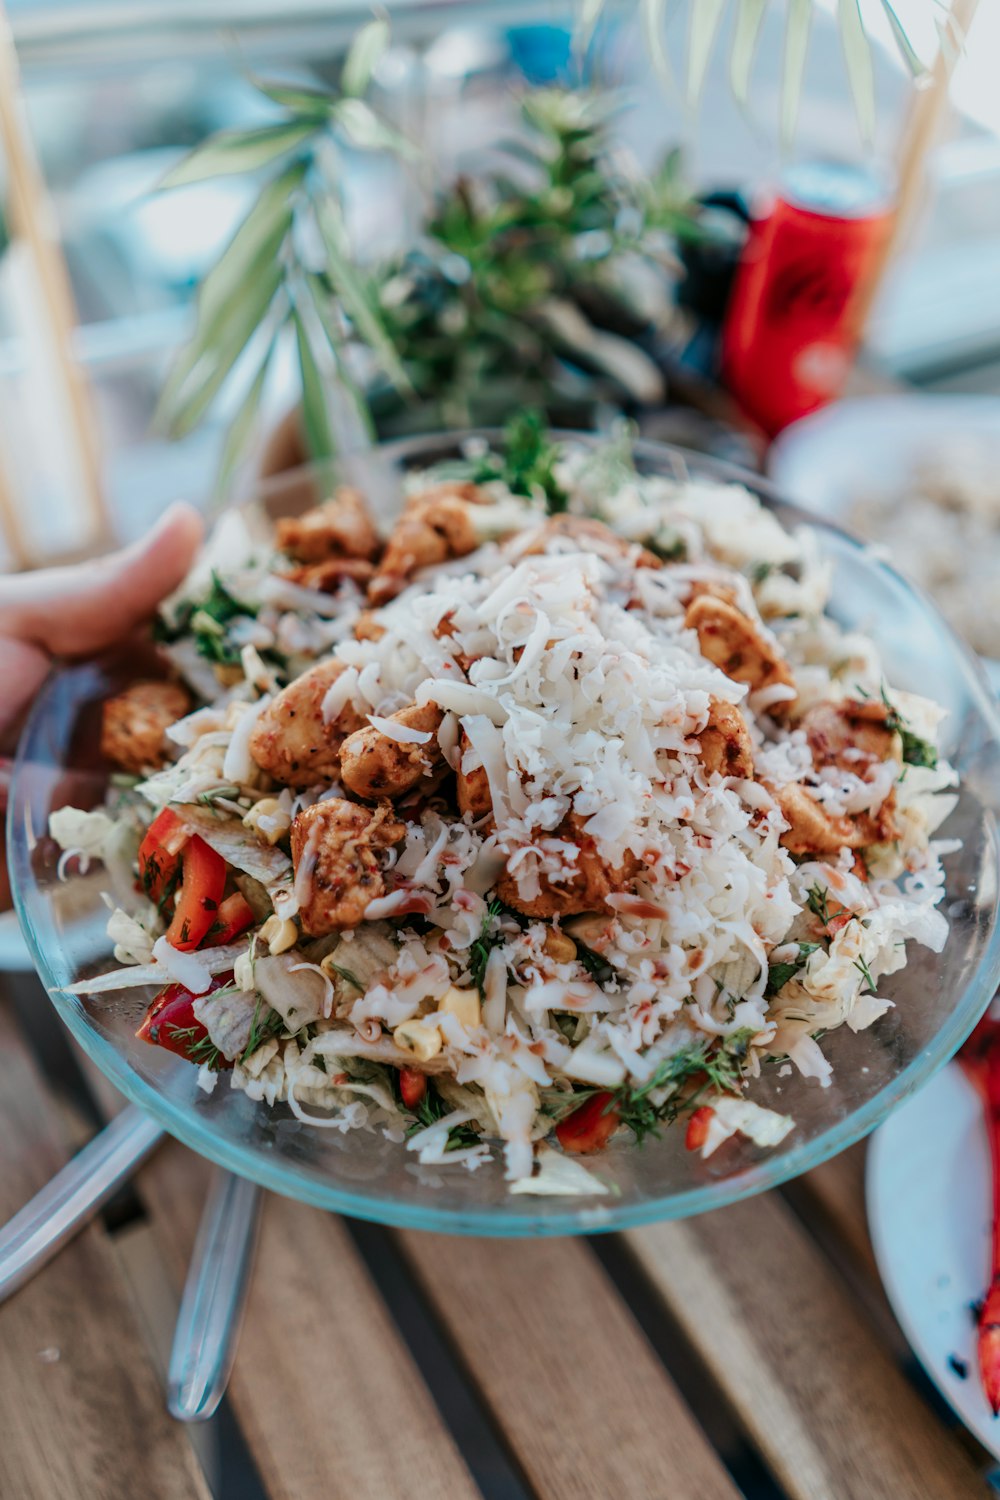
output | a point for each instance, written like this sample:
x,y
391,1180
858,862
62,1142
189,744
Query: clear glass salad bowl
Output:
x,y
937,998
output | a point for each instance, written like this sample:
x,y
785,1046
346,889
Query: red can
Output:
x,y
794,318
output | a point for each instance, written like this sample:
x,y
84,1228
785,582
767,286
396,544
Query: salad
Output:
x,y
538,824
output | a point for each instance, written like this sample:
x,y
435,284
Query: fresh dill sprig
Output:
x,y
528,461
198,1046
916,751
866,974
816,900
346,975
488,939
261,1028
716,1068
433,1108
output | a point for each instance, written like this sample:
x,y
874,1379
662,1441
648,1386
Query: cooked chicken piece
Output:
x,y
811,829
341,527
587,890
730,639
368,627
472,787
712,589
373,765
850,734
725,741
335,848
591,536
292,741
444,630
135,721
329,575
434,527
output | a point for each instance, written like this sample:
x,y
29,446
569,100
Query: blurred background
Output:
x,y
117,92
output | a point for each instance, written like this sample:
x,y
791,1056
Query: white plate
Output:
x,y
871,444
929,1212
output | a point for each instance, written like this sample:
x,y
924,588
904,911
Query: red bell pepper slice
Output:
x,y
697,1128
170,1022
590,1127
203,880
412,1086
234,916
160,854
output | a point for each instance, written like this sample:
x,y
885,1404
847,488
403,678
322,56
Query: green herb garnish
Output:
x,y
719,1067
916,752
779,974
528,461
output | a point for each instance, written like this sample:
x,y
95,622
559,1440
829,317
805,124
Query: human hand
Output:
x,y
72,612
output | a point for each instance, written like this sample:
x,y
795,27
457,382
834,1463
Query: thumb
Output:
x,y
74,611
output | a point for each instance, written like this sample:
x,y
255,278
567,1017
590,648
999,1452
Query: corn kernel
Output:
x,y
559,946
268,820
419,1037
279,933
462,1004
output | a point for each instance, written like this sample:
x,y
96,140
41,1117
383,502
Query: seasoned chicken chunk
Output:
x,y
588,888
329,575
340,527
590,536
850,734
434,527
135,721
814,830
472,787
335,847
292,741
368,626
725,741
373,765
730,639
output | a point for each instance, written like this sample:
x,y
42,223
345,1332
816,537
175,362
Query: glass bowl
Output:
x,y
938,997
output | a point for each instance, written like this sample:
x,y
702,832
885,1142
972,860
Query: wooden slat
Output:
x,y
328,1397
573,1384
81,1410
816,1389
837,1192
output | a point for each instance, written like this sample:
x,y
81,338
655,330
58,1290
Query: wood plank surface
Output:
x,y
81,1409
837,1192
330,1402
823,1401
573,1384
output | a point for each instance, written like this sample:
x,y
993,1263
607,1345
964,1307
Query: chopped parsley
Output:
x,y
779,974
433,1108
528,461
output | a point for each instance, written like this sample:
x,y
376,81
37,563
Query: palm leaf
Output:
x,y
705,17
238,151
351,289
241,429
748,23
796,46
315,414
652,13
362,59
368,131
857,56
312,104
903,43
321,306
243,316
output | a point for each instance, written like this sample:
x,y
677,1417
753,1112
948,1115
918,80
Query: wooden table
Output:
x,y
750,1352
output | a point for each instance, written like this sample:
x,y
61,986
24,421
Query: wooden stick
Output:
x,y
920,134
33,218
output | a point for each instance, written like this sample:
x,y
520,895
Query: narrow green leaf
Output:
x,y
241,429
309,104
858,57
902,40
207,377
652,13
368,131
796,46
259,237
351,289
238,151
315,415
705,17
321,305
362,60
748,23
590,14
